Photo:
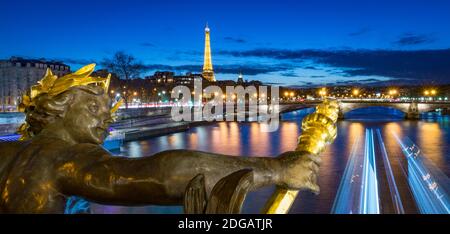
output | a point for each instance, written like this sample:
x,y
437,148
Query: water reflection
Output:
x,y
431,135
259,143
232,138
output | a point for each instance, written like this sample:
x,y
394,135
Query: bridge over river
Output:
x,y
412,110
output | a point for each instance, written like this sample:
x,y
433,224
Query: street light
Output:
x,y
323,92
355,92
392,92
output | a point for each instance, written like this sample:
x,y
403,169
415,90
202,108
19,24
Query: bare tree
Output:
x,y
126,67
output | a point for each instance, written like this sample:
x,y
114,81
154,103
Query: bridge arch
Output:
x,y
375,112
346,107
412,110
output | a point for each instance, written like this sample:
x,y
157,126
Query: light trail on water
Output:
x,y
358,189
428,184
369,199
348,189
395,195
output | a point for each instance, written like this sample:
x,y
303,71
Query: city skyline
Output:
x,y
287,43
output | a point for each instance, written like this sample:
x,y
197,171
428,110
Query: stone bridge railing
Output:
x,y
412,110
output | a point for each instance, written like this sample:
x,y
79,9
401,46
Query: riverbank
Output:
x,y
133,134
136,124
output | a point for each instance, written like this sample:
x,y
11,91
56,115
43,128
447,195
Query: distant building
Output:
x,y
188,79
17,75
167,78
161,77
240,79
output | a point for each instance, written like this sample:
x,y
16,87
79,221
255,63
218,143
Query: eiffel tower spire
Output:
x,y
208,72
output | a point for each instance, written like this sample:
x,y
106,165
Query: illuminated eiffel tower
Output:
x,y
208,72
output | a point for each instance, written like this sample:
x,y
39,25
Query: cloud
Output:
x,y
380,83
157,67
360,32
235,40
409,39
304,84
246,69
250,69
72,61
426,65
273,83
358,82
147,44
289,74
369,80
396,66
363,82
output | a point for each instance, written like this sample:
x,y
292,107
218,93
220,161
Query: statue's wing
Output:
x,y
195,196
229,193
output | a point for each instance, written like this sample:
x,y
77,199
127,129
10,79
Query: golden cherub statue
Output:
x,y
60,155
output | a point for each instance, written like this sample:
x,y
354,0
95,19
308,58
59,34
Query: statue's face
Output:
x,y
88,117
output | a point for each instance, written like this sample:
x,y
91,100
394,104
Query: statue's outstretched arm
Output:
x,y
159,179
162,178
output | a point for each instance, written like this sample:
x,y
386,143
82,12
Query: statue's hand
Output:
x,y
299,171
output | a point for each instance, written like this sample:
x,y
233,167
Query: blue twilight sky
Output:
x,y
297,43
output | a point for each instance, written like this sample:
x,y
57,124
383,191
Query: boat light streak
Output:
x,y
427,183
369,200
395,195
347,191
